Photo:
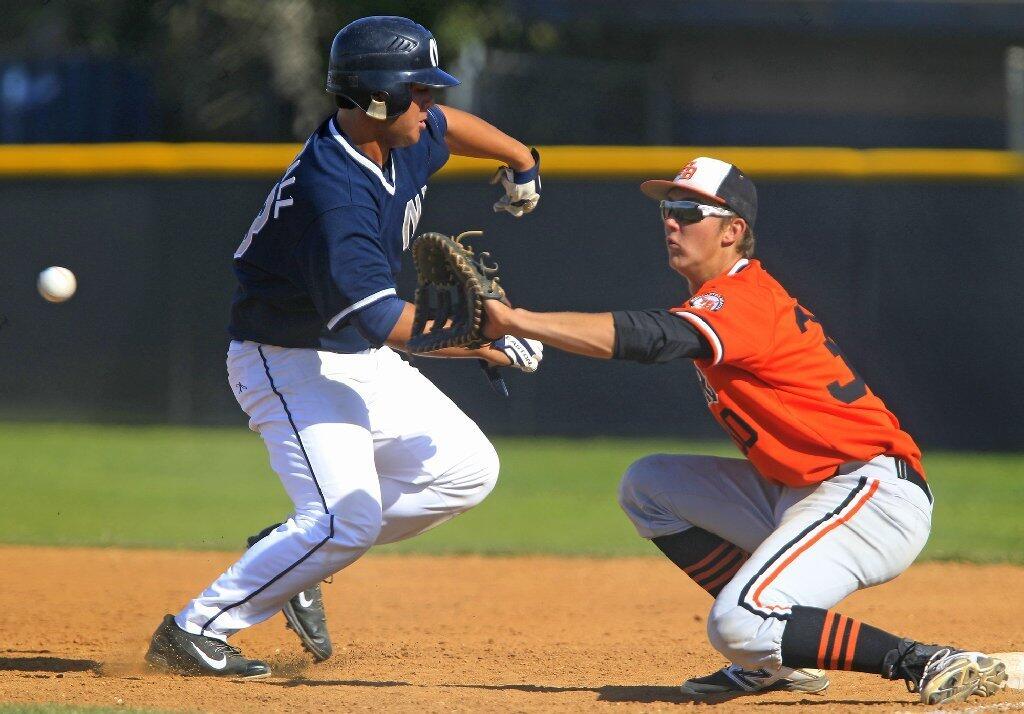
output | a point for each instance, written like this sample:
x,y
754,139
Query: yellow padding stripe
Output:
x,y
593,162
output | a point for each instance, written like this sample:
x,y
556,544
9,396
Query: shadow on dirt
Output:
x,y
533,688
540,688
302,682
639,694
650,695
47,664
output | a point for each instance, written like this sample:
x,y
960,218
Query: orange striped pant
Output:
x,y
809,546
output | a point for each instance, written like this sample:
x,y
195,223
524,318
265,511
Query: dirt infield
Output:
x,y
443,634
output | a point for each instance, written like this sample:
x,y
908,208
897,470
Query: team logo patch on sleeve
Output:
x,y
712,302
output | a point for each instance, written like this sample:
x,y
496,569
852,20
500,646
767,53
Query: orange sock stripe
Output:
x,y
851,645
696,567
726,576
723,563
837,642
826,629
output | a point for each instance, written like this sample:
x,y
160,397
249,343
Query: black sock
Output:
x,y
710,560
827,640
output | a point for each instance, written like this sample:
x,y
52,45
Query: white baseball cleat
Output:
x,y
941,674
952,675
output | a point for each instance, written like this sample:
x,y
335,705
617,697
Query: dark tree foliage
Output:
x,y
248,70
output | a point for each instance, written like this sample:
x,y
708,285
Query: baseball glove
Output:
x,y
452,285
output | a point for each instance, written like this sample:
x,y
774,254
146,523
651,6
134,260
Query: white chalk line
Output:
x,y
1005,707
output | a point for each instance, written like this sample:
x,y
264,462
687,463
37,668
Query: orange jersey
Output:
x,y
779,385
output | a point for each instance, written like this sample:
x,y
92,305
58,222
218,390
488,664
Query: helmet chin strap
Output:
x,y
378,109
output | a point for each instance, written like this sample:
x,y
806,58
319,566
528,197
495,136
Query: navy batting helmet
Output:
x,y
375,59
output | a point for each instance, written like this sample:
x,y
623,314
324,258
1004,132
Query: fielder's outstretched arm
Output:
x,y
583,333
638,335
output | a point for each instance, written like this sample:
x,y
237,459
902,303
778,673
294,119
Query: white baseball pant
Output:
x,y
809,546
369,451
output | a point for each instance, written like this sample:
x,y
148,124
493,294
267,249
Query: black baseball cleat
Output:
x,y
174,650
307,619
734,681
944,674
305,614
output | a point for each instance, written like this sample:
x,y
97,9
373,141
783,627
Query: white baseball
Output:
x,y
56,284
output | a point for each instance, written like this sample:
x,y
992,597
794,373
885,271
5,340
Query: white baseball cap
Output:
x,y
717,180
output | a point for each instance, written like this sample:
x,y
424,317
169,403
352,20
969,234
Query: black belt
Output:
x,y
906,472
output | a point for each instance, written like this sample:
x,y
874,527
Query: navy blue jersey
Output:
x,y
328,241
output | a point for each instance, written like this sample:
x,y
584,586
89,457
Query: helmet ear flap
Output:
x,y
378,106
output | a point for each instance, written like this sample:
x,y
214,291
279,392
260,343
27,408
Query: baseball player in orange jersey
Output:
x,y
831,496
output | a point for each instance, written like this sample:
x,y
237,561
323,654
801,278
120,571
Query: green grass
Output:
x,y
209,488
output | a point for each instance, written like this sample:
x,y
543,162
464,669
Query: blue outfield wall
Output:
x,y
919,283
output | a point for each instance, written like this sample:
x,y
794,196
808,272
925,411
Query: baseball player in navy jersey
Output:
x,y
369,451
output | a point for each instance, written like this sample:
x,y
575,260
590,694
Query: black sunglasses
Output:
x,y
691,211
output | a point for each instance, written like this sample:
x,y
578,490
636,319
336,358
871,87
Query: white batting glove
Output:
x,y
525,353
522,188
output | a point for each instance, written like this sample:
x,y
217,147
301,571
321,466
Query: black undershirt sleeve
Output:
x,y
651,336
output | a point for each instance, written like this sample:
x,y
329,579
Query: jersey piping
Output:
x,y
738,266
364,161
705,329
717,350
359,305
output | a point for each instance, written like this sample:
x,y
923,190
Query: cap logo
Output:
x,y
401,44
433,52
687,172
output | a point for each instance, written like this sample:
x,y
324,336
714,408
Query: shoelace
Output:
x,y
756,674
915,686
904,671
219,646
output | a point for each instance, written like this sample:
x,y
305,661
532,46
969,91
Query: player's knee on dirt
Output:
x,y
749,640
637,496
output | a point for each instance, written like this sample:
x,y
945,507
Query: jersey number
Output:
x,y
851,391
740,431
274,201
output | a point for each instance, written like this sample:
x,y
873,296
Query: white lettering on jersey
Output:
x,y
273,199
282,202
413,211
